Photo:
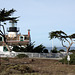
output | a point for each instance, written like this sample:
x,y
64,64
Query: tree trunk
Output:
x,y
8,47
67,51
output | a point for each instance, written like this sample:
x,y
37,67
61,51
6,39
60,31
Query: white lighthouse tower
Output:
x,y
12,30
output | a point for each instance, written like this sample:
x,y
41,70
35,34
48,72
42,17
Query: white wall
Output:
x,y
1,48
12,34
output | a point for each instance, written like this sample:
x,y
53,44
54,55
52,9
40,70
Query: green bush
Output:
x,y
22,56
20,68
61,50
72,60
16,69
54,50
73,51
6,58
45,51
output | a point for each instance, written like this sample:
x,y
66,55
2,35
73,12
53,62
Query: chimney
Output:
x,y
28,32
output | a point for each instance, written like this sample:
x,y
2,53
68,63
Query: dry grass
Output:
x,y
43,66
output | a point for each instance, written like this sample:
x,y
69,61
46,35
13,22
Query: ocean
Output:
x,y
58,48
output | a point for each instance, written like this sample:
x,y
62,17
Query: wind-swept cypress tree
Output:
x,y
5,15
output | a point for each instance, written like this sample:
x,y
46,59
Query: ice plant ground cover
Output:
x,y
28,66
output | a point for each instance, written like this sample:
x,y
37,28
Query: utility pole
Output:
x,y
52,44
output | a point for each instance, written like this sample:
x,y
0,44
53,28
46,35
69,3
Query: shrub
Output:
x,y
22,56
39,49
54,50
16,69
6,58
61,50
45,51
72,60
20,68
73,51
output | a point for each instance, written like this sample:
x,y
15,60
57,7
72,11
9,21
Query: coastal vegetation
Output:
x,y
61,50
73,51
22,65
6,15
22,56
54,50
15,69
29,66
64,38
38,49
71,62
30,48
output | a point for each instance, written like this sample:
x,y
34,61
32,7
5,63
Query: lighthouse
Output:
x,y
12,30
13,38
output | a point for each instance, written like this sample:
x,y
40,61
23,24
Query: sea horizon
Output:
x,y
59,48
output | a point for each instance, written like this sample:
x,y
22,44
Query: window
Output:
x,y
21,38
5,48
25,38
1,38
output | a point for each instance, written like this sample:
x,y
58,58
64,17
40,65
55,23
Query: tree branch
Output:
x,y
63,43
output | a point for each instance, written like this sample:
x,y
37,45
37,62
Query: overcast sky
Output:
x,y
42,17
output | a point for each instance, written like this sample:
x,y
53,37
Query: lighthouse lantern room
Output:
x,y
12,30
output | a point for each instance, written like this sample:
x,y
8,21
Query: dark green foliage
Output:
x,y
72,36
22,49
30,48
5,15
39,49
57,34
64,60
22,56
54,50
61,50
63,37
19,49
16,49
72,60
45,51
73,51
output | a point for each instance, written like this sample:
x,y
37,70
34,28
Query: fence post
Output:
x,y
0,59
39,55
32,54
